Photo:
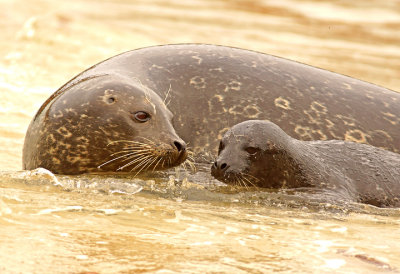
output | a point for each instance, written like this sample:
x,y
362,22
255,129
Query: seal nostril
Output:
x,y
223,166
179,146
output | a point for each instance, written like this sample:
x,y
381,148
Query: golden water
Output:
x,y
181,227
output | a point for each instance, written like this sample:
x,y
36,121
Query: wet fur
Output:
x,y
352,171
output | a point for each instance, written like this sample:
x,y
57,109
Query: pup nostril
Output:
x,y
219,170
179,146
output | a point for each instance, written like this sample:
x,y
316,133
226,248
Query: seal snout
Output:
x,y
218,169
180,151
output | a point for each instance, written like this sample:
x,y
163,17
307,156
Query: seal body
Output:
x,y
103,124
260,153
210,88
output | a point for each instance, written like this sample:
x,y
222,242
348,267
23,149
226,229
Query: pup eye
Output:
x,y
141,116
252,150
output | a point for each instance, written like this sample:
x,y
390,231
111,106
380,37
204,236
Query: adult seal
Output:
x,y
260,153
209,88
103,124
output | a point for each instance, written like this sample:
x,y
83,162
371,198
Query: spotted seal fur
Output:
x,y
103,124
210,88
260,153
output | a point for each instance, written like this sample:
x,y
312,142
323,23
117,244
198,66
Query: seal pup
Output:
x,y
209,89
261,154
103,124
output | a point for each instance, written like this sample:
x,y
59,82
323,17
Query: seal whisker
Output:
x,y
251,177
114,159
166,104
145,155
132,141
126,141
158,162
163,162
186,166
190,155
135,160
131,151
191,165
129,155
151,142
247,181
240,183
191,158
143,164
235,182
128,151
154,161
138,146
138,156
131,145
243,183
183,165
169,160
166,96
148,164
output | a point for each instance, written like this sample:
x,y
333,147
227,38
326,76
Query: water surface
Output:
x,y
107,225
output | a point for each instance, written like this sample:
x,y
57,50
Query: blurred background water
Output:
x,y
46,228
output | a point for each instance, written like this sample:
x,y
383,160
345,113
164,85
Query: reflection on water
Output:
x,y
88,223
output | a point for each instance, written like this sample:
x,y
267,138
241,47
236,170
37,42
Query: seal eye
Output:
x,y
252,150
141,116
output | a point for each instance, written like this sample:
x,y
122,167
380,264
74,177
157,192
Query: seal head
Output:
x,y
105,123
261,154
257,153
